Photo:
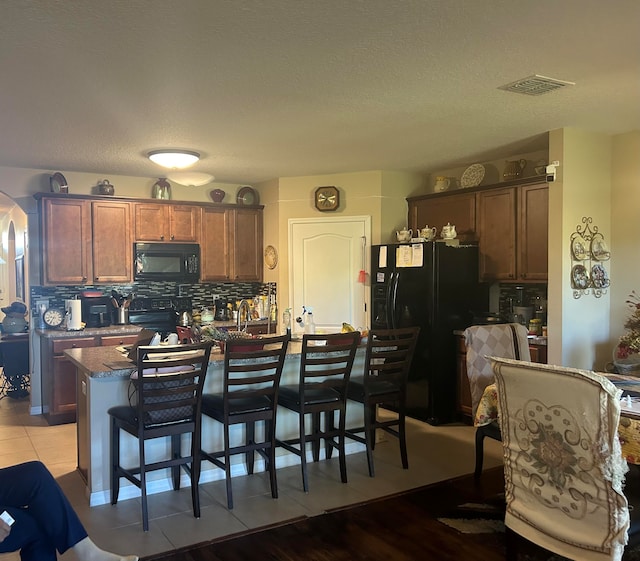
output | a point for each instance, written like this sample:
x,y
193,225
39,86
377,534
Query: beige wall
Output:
x,y
381,195
20,183
625,234
578,327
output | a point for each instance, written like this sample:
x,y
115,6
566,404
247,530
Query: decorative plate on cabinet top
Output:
x,y
472,176
58,183
247,196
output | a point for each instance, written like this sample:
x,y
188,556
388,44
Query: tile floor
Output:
x,y
435,454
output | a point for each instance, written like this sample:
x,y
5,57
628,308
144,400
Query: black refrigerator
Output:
x,y
433,285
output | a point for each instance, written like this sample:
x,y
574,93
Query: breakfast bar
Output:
x,y
103,381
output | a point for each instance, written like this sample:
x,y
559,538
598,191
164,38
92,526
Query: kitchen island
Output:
x,y
103,381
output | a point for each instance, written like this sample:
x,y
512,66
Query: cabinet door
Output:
x,y
214,247
246,243
533,232
112,242
63,390
152,222
497,234
184,222
59,379
66,241
458,209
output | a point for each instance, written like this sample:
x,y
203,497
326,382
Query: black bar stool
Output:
x,y
325,366
252,372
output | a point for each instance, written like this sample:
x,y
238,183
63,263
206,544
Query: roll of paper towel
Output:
x,y
74,317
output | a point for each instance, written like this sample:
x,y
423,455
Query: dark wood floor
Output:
x,y
401,528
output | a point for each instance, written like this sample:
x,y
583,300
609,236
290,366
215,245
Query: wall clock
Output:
x,y
53,317
327,198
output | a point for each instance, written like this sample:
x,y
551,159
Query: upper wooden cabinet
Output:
x,y
513,228
509,220
497,234
65,227
533,232
158,222
231,244
437,211
112,243
215,246
89,240
85,241
246,241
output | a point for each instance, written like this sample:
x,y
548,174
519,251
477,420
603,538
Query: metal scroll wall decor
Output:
x,y
589,254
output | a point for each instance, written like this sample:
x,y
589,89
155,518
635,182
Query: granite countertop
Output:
x,y
109,362
128,329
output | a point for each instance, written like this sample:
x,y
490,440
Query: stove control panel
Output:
x,y
178,303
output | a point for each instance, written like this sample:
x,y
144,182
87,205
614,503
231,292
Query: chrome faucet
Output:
x,y
244,304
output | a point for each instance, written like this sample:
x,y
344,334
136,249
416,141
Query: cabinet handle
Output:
x,y
173,237
162,238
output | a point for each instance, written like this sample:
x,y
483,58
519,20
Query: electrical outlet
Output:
x,y
42,303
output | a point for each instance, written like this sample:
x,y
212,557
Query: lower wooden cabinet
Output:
x,y
463,393
58,374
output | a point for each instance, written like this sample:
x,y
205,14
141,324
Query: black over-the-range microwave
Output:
x,y
166,261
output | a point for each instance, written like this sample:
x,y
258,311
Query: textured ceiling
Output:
x,y
274,88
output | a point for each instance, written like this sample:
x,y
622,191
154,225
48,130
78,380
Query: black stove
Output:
x,y
158,314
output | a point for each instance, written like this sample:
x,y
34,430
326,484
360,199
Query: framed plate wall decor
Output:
x,y
589,253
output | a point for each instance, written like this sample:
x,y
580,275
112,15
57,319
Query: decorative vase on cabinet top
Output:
x,y
161,189
513,169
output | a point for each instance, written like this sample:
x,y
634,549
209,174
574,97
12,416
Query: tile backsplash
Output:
x,y
201,294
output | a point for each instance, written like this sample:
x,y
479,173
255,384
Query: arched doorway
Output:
x,y
13,253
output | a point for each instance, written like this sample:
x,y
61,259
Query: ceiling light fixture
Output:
x,y
174,159
190,178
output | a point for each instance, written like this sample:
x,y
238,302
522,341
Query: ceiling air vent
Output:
x,y
535,85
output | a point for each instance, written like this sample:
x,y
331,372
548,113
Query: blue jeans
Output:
x,y
44,519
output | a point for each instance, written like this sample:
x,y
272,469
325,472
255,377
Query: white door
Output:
x,y
326,258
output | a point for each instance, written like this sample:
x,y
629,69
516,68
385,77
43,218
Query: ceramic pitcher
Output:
x,y
442,183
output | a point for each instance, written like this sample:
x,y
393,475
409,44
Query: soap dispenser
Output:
x,y
310,326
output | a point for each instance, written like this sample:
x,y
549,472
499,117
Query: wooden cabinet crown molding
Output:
x,y
46,195
502,184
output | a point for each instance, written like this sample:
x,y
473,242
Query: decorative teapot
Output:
x,y
513,169
428,233
449,231
404,235
442,183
